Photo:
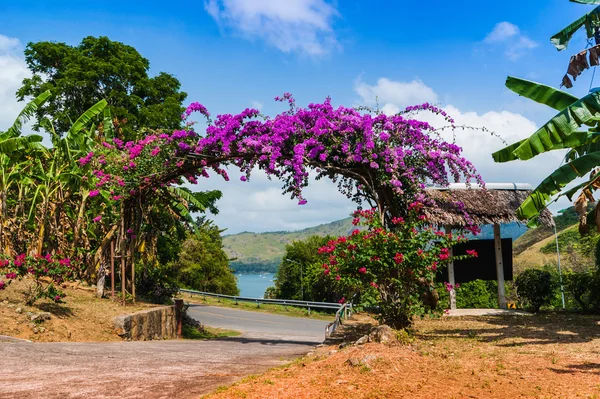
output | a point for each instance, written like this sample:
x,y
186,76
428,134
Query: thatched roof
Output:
x,y
490,206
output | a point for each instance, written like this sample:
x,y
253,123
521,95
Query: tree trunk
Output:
x,y
79,222
42,228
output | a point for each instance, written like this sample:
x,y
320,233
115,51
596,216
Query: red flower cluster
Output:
x,y
399,258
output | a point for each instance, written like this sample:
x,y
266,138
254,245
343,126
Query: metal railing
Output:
x,y
343,310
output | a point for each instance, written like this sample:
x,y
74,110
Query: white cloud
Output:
x,y
393,95
12,72
257,105
303,26
501,32
477,145
509,37
258,205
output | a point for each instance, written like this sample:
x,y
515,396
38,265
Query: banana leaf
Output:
x,y
585,1
541,93
109,128
86,117
589,20
554,183
553,134
27,113
14,144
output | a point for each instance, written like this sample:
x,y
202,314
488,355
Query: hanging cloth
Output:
x,y
566,81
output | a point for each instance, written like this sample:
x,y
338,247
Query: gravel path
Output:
x,y
154,369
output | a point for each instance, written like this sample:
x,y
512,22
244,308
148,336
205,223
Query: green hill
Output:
x,y
262,252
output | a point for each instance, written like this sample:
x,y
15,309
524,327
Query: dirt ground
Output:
x,y
81,318
542,356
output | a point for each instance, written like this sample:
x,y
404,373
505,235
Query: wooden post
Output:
x,y
112,269
499,267
451,278
132,261
179,316
123,277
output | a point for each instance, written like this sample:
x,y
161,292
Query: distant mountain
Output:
x,y
262,252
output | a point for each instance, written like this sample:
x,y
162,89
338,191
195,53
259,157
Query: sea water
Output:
x,y
254,285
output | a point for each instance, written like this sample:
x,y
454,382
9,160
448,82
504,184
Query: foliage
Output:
x,y
400,263
478,294
46,271
203,265
98,68
300,275
575,127
535,288
156,284
584,289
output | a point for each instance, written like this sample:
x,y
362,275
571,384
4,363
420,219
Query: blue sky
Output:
x,y
233,54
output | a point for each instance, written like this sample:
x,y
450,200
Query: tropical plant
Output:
x,y
576,127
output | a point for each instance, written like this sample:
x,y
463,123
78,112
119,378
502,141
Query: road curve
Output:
x,y
259,324
157,369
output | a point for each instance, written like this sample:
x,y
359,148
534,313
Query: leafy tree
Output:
x,y
300,275
203,265
99,68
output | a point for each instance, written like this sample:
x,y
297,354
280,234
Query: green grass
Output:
x,y
190,332
264,308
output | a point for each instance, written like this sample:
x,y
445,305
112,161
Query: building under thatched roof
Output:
x,y
496,204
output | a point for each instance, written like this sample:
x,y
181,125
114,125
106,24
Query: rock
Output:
x,y
43,316
11,306
383,334
331,352
5,302
42,329
354,362
367,360
19,310
36,330
344,344
362,340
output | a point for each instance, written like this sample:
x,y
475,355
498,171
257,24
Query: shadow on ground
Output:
x,y
57,310
266,341
515,331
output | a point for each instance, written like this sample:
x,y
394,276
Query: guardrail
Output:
x,y
343,310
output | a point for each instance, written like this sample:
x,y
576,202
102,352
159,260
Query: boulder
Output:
x,y
384,334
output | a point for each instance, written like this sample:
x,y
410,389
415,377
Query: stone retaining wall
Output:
x,y
156,323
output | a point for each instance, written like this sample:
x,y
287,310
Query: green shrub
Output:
x,y
583,288
477,294
155,284
536,288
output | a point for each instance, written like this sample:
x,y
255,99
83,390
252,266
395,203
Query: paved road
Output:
x,y
156,369
261,324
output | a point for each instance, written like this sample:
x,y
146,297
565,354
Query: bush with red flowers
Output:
x,y
398,264
47,272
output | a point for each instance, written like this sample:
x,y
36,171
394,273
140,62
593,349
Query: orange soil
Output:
x,y
82,318
545,356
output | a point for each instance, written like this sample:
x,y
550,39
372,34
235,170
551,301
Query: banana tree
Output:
x,y
575,128
563,131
